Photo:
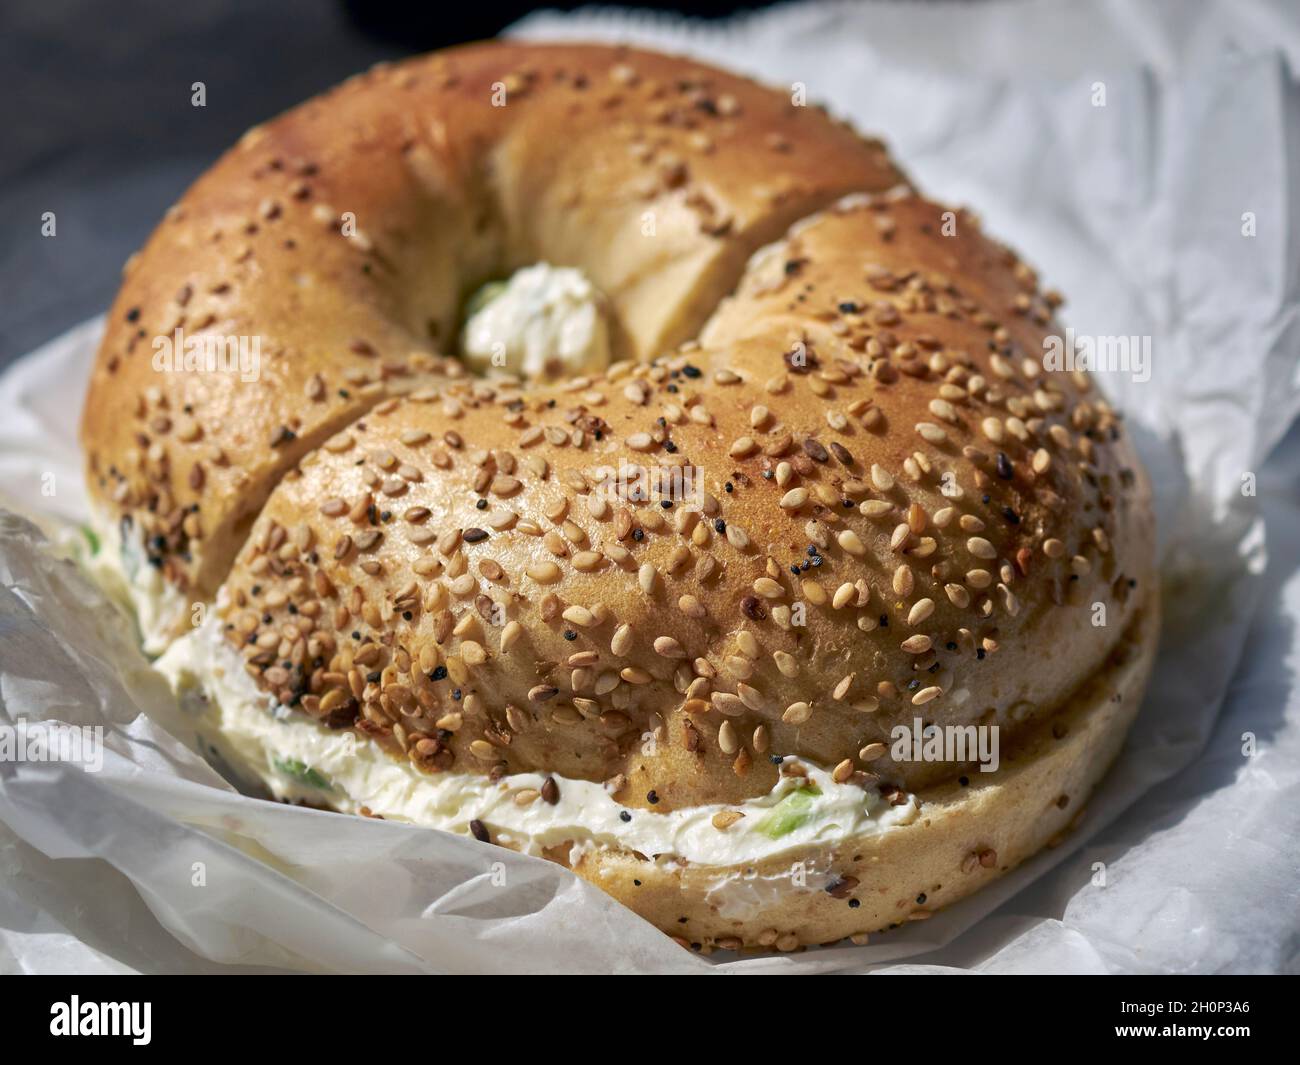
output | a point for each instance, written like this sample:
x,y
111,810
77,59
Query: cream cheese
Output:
x,y
546,322
120,567
299,760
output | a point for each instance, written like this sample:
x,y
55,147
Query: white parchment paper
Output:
x,y
1189,857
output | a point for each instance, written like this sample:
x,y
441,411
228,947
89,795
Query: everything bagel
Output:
x,y
660,622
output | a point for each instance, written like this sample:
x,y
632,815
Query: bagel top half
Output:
x,y
892,512
345,235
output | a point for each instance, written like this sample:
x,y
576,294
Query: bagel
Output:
x,y
670,622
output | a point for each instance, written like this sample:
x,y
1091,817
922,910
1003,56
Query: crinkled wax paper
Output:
x,y
1139,210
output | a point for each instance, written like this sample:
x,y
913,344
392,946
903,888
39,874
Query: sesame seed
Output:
x,y
724,819
668,647
812,591
510,635
957,595
941,408
691,607
580,616
851,543
737,537
544,572
916,518
904,581
814,450
921,610
794,499
621,642
1009,601
646,578
727,703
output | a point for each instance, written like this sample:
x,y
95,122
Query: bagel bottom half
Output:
x,y
844,864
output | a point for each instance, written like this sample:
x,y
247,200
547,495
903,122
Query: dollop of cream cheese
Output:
x,y
297,759
546,322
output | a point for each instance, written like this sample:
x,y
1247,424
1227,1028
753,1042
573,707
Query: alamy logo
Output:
x,y
208,353
41,741
103,1018
951,743
1099,354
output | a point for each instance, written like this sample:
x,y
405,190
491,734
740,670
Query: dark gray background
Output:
x,y
100,129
